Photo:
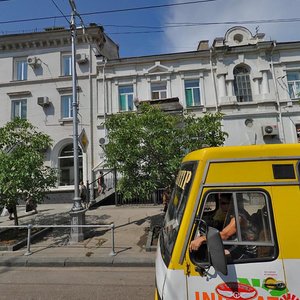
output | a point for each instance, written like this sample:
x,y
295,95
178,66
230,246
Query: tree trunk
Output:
x,y
16,216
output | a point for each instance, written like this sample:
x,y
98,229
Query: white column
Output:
x,y
264,83
169,90
202,90
221,85
230,88
256,86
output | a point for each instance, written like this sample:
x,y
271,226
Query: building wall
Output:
x,y
45,79
214,67
100,78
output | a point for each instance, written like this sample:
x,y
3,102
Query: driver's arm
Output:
x,y
225,234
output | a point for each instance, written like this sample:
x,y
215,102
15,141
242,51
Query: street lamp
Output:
x,y
77,212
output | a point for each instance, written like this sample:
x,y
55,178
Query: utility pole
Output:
x,y
77,212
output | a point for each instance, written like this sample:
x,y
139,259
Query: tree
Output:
x,y
146,147
22,170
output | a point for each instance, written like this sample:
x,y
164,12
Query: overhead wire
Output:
x,y
156,29
58,8
109,11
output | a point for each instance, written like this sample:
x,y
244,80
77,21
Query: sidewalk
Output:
x,y
131,232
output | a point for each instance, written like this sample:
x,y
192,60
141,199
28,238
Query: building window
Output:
x,y
126,98
293,79
158,90
66,107
66,165
19,109
20,69
242,85
192,92
66,64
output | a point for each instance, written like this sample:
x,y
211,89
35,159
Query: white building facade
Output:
x,y
36,84
254,83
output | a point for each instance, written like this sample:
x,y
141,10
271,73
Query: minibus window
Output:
x,y
176,208
249,213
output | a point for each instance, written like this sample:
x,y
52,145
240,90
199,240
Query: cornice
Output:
x,y
51,38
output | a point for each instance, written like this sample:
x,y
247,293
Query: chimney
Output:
x,y
203,45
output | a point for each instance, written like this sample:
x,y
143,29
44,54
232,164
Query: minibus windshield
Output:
x,y
176,208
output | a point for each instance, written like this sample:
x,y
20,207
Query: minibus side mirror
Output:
x,y
216,250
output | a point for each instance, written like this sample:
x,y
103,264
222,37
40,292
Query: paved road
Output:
x,y
77,283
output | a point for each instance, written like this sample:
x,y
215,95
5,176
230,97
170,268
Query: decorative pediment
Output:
x,y
238,36
158,68
19,94
67,89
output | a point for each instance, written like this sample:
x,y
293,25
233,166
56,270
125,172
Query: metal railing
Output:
x,y
110,181
30,226
155,198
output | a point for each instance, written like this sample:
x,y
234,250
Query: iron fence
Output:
x,y
30,226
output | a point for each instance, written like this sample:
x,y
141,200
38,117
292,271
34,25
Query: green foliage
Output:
x,y
146,147
22,170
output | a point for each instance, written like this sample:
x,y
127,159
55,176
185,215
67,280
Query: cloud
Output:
x,y
180,39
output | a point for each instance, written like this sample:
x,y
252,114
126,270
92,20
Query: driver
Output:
x,y
227,232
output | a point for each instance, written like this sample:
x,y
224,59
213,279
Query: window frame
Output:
x,y
68,98
159,89
127,95
21,106
20,69
293,83
242,84
193,89
240,242
176,207
66,64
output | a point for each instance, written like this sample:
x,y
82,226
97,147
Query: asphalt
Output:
x,y
132,237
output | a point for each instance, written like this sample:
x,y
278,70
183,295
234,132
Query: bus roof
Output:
x,y
225,152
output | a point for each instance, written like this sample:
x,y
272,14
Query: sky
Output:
x,y
143,27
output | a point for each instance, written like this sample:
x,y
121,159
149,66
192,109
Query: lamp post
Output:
x,y
77,212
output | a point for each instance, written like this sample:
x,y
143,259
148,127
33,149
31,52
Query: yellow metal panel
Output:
x,y
286,206
243,172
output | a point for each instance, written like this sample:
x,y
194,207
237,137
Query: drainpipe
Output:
x,y
277,94
104,92
213,79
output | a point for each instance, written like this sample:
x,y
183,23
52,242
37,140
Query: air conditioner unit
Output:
x,y
103,141
270,130
81,58
33,61
43,101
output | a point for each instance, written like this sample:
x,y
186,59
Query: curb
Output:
x,y
76,262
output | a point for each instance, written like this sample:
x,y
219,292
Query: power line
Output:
x,y
148,7
109,11
136,32
189,24
156,29
60,11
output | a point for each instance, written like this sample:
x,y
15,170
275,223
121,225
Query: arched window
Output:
x,y
66,165
242,85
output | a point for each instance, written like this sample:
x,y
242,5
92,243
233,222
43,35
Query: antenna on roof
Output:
x,y
256,29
